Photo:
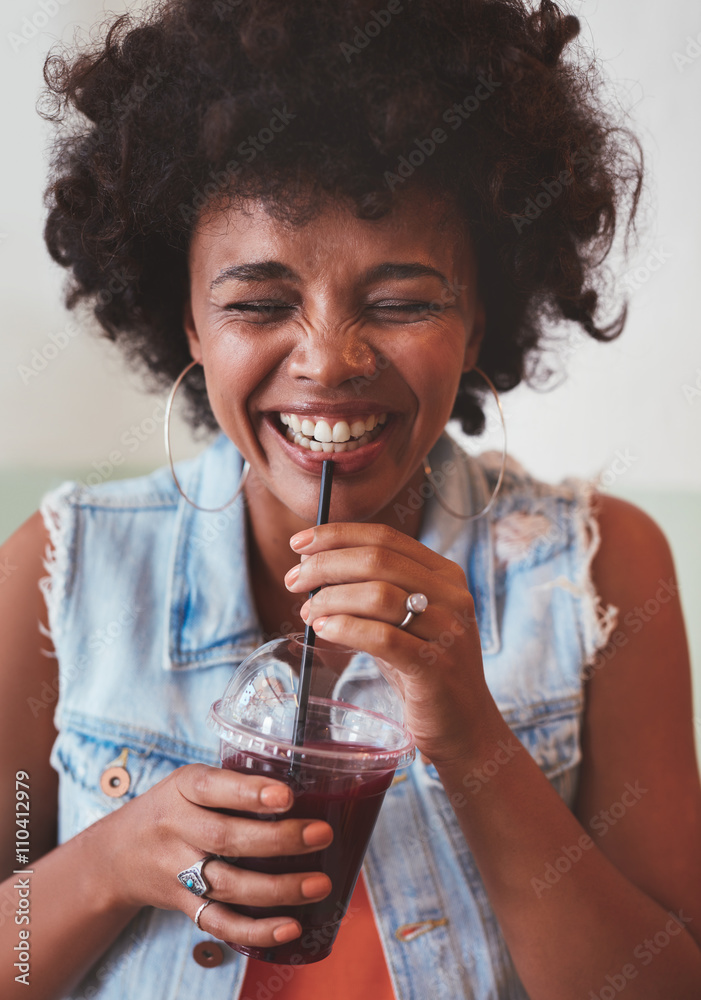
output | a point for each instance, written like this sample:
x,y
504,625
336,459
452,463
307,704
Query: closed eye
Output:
x,y
420,308
274,310
260,309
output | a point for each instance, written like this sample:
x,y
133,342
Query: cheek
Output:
x,y
436,377
234,368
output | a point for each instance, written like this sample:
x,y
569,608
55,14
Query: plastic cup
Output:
x,y
354,742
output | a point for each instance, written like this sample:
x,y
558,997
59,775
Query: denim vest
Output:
x,y
150,610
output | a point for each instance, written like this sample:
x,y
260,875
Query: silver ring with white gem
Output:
x,y
415,605
193,879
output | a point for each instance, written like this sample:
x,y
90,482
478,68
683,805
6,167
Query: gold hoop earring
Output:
x,y
169,407
429,472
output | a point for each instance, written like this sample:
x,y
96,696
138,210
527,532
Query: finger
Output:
x,y
376,600
230,884
341,535
397,647
362,564
220,921
236,837
218,788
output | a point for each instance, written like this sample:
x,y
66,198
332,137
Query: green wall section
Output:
x,y
678,513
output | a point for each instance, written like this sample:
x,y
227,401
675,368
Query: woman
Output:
x,y
337,214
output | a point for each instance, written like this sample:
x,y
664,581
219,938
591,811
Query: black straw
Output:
x,y
305,673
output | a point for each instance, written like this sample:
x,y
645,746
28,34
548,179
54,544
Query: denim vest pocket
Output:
x,y
89,750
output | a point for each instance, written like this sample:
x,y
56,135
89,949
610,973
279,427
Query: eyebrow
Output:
x,y
266,270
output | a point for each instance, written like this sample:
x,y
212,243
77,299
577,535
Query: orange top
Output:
x,y
355,968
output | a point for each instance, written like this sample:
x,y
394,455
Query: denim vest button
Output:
x,y
208,954
115,781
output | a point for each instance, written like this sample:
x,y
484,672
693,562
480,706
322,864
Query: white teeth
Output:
x,y
323,432
327,436
341,431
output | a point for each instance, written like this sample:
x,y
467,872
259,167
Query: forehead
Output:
x,y
420,227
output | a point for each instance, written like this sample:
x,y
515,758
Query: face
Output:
x,y
342,338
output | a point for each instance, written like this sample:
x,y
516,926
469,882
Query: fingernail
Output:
x,y
275,796
316,834
317,885
286,932
304,611
302,538
319,623
292,575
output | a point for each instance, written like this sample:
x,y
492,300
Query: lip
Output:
x,y
346,462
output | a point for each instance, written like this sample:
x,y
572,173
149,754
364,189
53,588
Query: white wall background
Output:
x,y
626,397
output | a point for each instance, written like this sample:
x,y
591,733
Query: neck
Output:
x,y
270,525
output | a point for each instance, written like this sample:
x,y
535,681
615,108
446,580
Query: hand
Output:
x,y
174,824
367,571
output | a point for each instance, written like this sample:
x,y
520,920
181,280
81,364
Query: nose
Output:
x,y
331,358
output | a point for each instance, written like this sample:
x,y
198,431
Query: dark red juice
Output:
x,y
350,803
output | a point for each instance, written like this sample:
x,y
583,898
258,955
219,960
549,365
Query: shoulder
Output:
x,y
634,556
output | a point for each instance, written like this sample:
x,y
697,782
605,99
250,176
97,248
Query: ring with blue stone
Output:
x,y
415,605
193,879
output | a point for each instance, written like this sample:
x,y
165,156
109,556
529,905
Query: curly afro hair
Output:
x,y
471,98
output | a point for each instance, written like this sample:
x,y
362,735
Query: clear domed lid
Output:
x,y
353,711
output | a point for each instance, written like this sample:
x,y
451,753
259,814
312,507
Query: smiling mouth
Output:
x,y
331,436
